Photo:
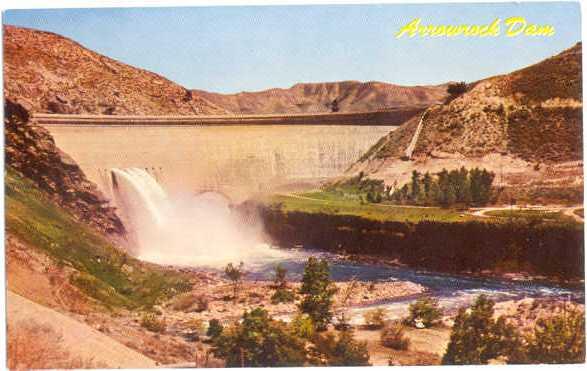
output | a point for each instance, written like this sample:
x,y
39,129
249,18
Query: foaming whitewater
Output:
x,y
184,229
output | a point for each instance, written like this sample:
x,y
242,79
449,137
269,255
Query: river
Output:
x,y
453,291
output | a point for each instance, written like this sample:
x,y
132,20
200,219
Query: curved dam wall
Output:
x,y
394,117
236,160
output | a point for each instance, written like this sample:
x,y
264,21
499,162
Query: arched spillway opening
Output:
x,y
185,229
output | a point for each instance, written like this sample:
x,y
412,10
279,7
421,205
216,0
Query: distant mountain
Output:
x,y
49,73
521,124
53,74
351,96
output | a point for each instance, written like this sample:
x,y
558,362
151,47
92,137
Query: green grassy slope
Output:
x,y
105,273
331,203
537,215
328,203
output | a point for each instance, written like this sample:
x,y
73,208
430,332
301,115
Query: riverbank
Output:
x,y
575,283
512,249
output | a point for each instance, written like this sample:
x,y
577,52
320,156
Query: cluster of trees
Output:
x,y
447,188
259,340
477,338
359,185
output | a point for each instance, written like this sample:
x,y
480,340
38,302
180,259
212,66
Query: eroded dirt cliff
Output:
x,y
30,150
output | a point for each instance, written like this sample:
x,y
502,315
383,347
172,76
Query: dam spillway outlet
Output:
x,y
184,229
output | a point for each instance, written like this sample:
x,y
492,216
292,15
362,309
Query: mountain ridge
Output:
x,y
351,96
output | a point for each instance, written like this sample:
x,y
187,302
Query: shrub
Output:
x,y
215,328
393,337
318,290
342,351
426,310
197,326
282,295
559,339
259,341
152,323
477,338
34,346
303,326
235,274
280,280
375,318
455,90
191,302
201,304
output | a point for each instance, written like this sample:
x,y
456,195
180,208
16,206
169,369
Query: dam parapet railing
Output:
x,y
388,117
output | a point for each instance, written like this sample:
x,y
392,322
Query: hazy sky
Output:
x,y
231,49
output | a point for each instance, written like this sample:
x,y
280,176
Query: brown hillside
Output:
x,y
53,74
30,150
533,114
352,96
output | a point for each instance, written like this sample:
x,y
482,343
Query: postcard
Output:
x,y
294,185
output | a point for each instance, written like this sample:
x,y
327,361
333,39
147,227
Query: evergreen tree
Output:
x,y
486,184
477,338
404,193
215,329
427,183
282,293
259,341
342,351
559,339
425,309
280,280
318,290
378,198
443,188
475,182
415,194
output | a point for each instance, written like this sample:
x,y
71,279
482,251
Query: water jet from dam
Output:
x,y
185,229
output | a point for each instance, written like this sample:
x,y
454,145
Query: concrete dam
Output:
x,y
235,160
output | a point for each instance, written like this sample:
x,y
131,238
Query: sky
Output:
x,y
233,49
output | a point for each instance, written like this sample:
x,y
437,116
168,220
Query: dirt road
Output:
x,y
569,211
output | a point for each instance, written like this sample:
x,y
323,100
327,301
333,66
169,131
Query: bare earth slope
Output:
x,y
79,339
352,96
526,126
53,74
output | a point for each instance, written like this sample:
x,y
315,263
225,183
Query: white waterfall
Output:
x,y
184,229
